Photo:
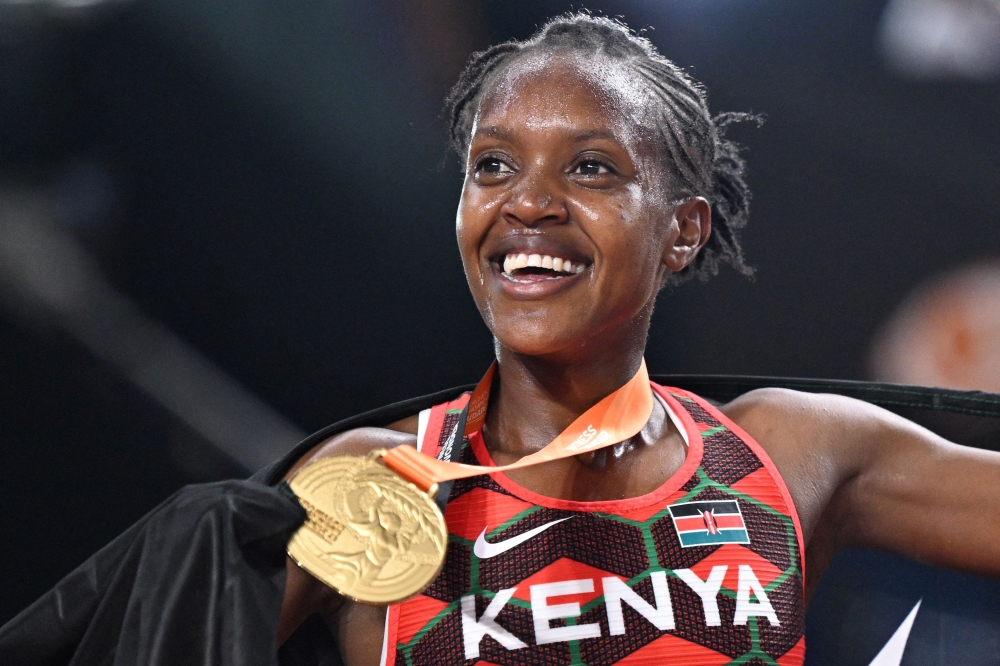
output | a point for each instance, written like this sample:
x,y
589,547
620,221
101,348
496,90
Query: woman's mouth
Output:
x,y
534,267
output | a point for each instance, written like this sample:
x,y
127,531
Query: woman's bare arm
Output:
x,y
862,476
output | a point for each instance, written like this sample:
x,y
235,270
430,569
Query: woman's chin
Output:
x,y
544,344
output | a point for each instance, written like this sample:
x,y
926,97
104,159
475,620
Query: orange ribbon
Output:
x,y
614,419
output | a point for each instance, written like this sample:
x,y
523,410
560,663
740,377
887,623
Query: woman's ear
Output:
x,y
690,227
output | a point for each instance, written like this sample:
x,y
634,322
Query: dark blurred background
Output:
x,y
223,225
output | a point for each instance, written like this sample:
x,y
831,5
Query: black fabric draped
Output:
x,y
200,579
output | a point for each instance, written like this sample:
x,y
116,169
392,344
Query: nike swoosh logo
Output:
x,y
485,550
892,653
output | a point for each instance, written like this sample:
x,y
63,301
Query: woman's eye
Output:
x,y
493,165
591,168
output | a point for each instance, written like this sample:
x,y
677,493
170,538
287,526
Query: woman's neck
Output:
x,y
536,398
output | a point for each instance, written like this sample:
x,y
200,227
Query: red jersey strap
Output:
x,y
436,423
758,450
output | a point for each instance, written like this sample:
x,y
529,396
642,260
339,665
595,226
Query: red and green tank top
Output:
x,y
705,570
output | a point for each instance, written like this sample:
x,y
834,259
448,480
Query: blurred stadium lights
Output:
x,y
942,38
62,4
946,333
46,275
33,25
23,14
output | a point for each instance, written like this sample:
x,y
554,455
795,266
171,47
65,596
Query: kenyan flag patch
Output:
x,y
709,523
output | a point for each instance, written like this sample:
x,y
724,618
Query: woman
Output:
x,y
595,176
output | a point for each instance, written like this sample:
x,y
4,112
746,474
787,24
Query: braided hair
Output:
x,y
701,161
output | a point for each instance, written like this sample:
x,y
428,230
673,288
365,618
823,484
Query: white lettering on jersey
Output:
x,y
543,613
707,590
744,607
616,592
474,630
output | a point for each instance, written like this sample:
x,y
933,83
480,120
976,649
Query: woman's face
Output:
x,y
563,176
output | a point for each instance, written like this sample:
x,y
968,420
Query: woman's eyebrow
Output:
x,y
506,134
589,135
495,132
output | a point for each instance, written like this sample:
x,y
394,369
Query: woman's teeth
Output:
x,y
512,262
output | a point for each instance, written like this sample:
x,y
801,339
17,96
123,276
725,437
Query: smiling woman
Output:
x,y
558,167
595,175
656,102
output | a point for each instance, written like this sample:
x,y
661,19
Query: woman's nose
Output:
x,y
535,202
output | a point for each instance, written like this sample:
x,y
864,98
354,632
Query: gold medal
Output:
x,y
369,534
373,531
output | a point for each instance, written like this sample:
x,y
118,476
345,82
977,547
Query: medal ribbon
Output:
x,y
614,419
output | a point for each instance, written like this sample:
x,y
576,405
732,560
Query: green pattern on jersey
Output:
x,y
631,547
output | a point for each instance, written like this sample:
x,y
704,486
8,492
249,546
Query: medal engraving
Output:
x,y
320,523
369,534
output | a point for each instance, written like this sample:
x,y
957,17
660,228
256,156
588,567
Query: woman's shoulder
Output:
x,y
360,442
781,413
816,440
